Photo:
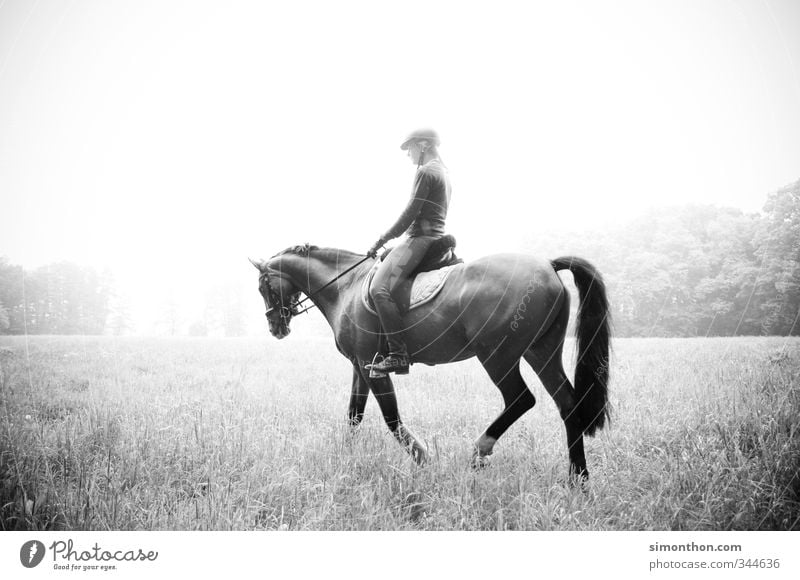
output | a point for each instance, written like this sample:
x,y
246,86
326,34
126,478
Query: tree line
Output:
x,y
60,298
698,270
66,298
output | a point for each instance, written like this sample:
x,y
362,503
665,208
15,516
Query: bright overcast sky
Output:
x,y
175,138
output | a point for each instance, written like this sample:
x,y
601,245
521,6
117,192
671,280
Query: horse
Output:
x,y
501,308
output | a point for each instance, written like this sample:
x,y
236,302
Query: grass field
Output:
x,y
141,434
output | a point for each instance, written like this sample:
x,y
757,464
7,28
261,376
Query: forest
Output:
x,y
678,272
698,270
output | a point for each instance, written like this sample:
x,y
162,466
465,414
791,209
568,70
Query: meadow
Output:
x,y
104,433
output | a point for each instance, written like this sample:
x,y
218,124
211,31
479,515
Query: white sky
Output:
x,y
171,140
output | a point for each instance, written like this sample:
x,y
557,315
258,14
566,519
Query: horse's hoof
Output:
x,y
480,462
578,478
419,454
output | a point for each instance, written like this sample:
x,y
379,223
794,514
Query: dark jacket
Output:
x,y
427,209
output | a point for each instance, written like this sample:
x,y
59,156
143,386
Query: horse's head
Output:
x,y
280,299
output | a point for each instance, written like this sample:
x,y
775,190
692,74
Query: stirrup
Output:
x,y
375,374
394,363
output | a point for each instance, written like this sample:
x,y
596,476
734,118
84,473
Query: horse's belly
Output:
x,y
435,332
435,341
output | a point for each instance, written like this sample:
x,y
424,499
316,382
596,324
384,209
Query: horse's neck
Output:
x,y
312,272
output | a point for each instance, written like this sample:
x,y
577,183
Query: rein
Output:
x,y
287,312
317,291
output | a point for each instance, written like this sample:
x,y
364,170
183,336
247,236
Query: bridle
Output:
x,y
275,302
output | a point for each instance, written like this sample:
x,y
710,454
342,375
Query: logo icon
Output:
x,y
32,553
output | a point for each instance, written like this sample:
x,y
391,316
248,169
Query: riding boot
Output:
x,y
396,362
392,322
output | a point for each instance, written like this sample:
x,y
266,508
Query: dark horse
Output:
x,y
500,308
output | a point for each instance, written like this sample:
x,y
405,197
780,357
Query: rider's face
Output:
x,y
414,152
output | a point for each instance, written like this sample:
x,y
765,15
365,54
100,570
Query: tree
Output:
x,y
11,293
5,321
777,292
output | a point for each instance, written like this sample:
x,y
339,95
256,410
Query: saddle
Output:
x,y
426,280
440,254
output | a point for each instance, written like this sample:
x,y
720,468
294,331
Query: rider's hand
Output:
x,y
373,251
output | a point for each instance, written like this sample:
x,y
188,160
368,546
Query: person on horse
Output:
x,y
423,221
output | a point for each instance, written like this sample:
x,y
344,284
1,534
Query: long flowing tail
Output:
x,y
593,332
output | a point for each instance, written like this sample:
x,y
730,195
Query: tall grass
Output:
x,y
121,434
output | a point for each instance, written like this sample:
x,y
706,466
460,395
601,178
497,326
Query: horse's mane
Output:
x,y
302,250
305,250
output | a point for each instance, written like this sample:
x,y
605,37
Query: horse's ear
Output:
x,y
258,265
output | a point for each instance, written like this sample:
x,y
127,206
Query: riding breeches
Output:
x,y
393,271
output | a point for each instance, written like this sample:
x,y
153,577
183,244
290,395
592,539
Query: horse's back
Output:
x,y
503,276
510,267
494,298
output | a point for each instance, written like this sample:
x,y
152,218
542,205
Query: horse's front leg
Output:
x,y
383,389
358,397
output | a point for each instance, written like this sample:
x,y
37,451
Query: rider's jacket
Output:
x,y
427,209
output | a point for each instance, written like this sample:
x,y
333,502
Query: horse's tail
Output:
x,y
593,331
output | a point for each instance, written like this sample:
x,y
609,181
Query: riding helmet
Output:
x,y
425,134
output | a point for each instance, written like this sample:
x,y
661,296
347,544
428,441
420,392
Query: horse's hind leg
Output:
x,y
517,398
545,358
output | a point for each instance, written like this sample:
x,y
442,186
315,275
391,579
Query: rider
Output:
x,y
423,221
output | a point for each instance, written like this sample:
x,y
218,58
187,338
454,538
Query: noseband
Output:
x,y
285,313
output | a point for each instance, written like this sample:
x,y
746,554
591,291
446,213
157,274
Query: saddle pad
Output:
x,y
425,287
